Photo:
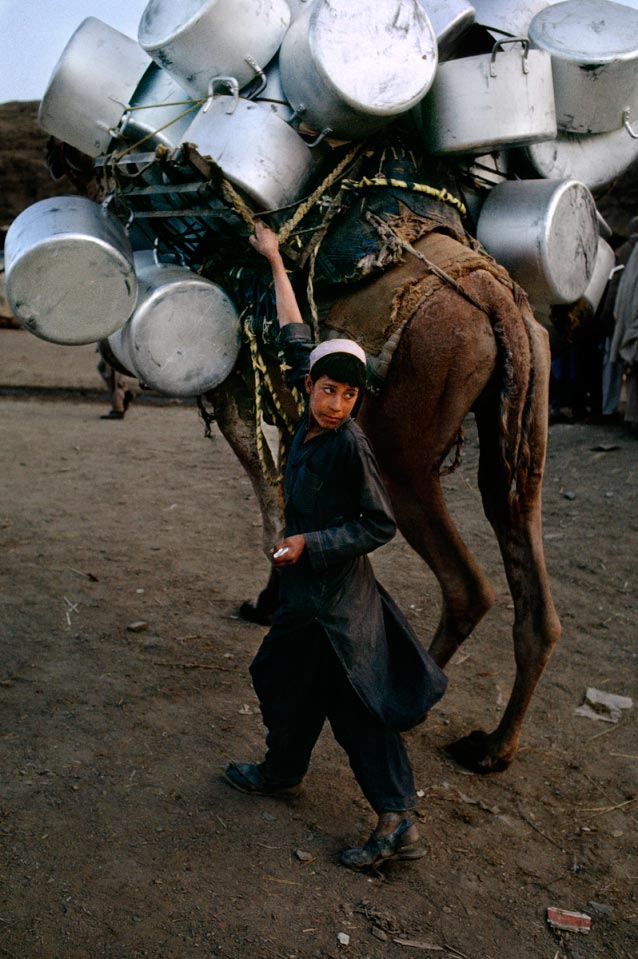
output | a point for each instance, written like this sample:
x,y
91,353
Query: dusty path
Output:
x,y
118,837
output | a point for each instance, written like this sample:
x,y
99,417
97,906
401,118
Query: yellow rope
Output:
x,y
444,195
262,379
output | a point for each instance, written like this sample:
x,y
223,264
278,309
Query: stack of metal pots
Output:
x,y
534,102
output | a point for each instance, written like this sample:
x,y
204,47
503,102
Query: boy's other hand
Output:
x,y
287,551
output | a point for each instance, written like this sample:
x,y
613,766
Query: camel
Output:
x,y
453,335
464,340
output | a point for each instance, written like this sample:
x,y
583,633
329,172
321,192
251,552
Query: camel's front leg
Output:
x,y
235,416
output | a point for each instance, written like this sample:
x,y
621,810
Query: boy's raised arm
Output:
x,y
265,242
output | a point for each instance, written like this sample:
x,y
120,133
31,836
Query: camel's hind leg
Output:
x,y
516,520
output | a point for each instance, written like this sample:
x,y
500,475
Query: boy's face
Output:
x,y
331,402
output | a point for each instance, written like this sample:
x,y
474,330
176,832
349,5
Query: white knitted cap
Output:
x,y
337,346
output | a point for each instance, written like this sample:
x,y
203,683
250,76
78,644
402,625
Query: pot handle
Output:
x,y
229,82
501,43
259,73
298,115
627,125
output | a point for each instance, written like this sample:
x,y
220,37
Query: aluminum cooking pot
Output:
x,y
605,262
91,85
195,40
257,150
270,92
596,159
594,50
157,111
508,17
184,336
450,20
69,267
353,66
118,344
545,232
298,7
478,104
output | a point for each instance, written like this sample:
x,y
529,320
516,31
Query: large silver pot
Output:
x,y
299,7
594,50
158,111
257,150
450,19
184,337
353,66
508,17
272,92
195,40
545,233
595,159
605,261
69,267
91,85
479,104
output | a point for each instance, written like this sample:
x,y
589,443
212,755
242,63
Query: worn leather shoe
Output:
x,y
248,778
381,849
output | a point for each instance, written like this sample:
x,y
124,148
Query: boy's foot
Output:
x,y
248,778
113,415
394,838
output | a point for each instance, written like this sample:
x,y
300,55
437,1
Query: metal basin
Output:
x,y
91,85
545,233
354,66
184,336
69,268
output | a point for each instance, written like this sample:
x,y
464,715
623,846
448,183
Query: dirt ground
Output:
x,y
118,837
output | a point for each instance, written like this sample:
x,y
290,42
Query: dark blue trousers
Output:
x,y
300,683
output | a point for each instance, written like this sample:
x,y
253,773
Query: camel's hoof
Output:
x,y
254,613
473,752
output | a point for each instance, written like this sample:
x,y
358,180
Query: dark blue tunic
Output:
x,y
334,495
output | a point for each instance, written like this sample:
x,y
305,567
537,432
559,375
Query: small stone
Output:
x,y
599,907
343,938
379,934
304,856
137,626
569,495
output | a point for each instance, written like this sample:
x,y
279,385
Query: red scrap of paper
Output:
x,y
570,921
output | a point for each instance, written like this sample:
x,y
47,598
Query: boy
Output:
x,y
338,648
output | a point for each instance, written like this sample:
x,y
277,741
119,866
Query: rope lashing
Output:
x,y
386,231
195,105
262,383
308,204
381,181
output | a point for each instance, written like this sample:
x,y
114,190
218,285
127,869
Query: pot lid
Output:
x,y
587,31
